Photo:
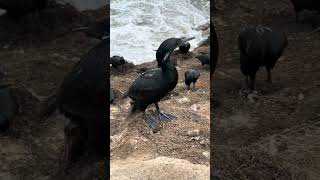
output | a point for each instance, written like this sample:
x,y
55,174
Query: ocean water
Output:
x,y
137,27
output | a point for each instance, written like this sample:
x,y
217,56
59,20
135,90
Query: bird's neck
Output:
x,y
168,66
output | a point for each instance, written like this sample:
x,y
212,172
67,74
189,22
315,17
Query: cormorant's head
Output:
x,y
168,46
122,61
185,47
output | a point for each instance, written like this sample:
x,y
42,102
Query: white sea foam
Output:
x,y
137,27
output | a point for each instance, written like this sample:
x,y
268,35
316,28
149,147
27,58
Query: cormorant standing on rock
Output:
x,y
8,107
151,86
82,97
191,76
18,8
184,48
259,46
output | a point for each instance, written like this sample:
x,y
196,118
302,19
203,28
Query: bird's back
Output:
x,y
191,76
251,45
83,91
261,46
204,58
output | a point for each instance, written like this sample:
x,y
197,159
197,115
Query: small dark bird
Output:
x,y
300,5
153,85
260,46
204,58
215,46
8,107
116,61
191,76
184,48
18,8
81,97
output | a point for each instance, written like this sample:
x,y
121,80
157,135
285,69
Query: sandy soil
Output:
x,y
35,59
186,137
275,136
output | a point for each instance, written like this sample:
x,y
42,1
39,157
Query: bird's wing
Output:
x,y
147,84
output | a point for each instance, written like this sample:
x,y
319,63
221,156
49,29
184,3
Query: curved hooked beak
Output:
x,y
184,40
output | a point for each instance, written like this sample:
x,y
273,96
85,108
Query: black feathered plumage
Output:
x,y
151,86
204,58
184,48
116,61
81,97
191,76
167,46
260,46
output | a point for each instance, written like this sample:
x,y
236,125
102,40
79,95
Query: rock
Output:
x,y
252,98
193,133
160,168
195,138
194,107
301,97
205,141
183,100
206,154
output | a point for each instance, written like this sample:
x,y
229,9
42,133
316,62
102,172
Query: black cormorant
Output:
x,y
81,97
151,86
259,46
191,76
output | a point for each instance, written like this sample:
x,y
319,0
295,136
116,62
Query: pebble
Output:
x,y
206,154
193,133
195,138
252,98
183,100
301,97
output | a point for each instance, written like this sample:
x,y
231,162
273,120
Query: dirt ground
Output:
x,y
35,59
186,137
276,135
